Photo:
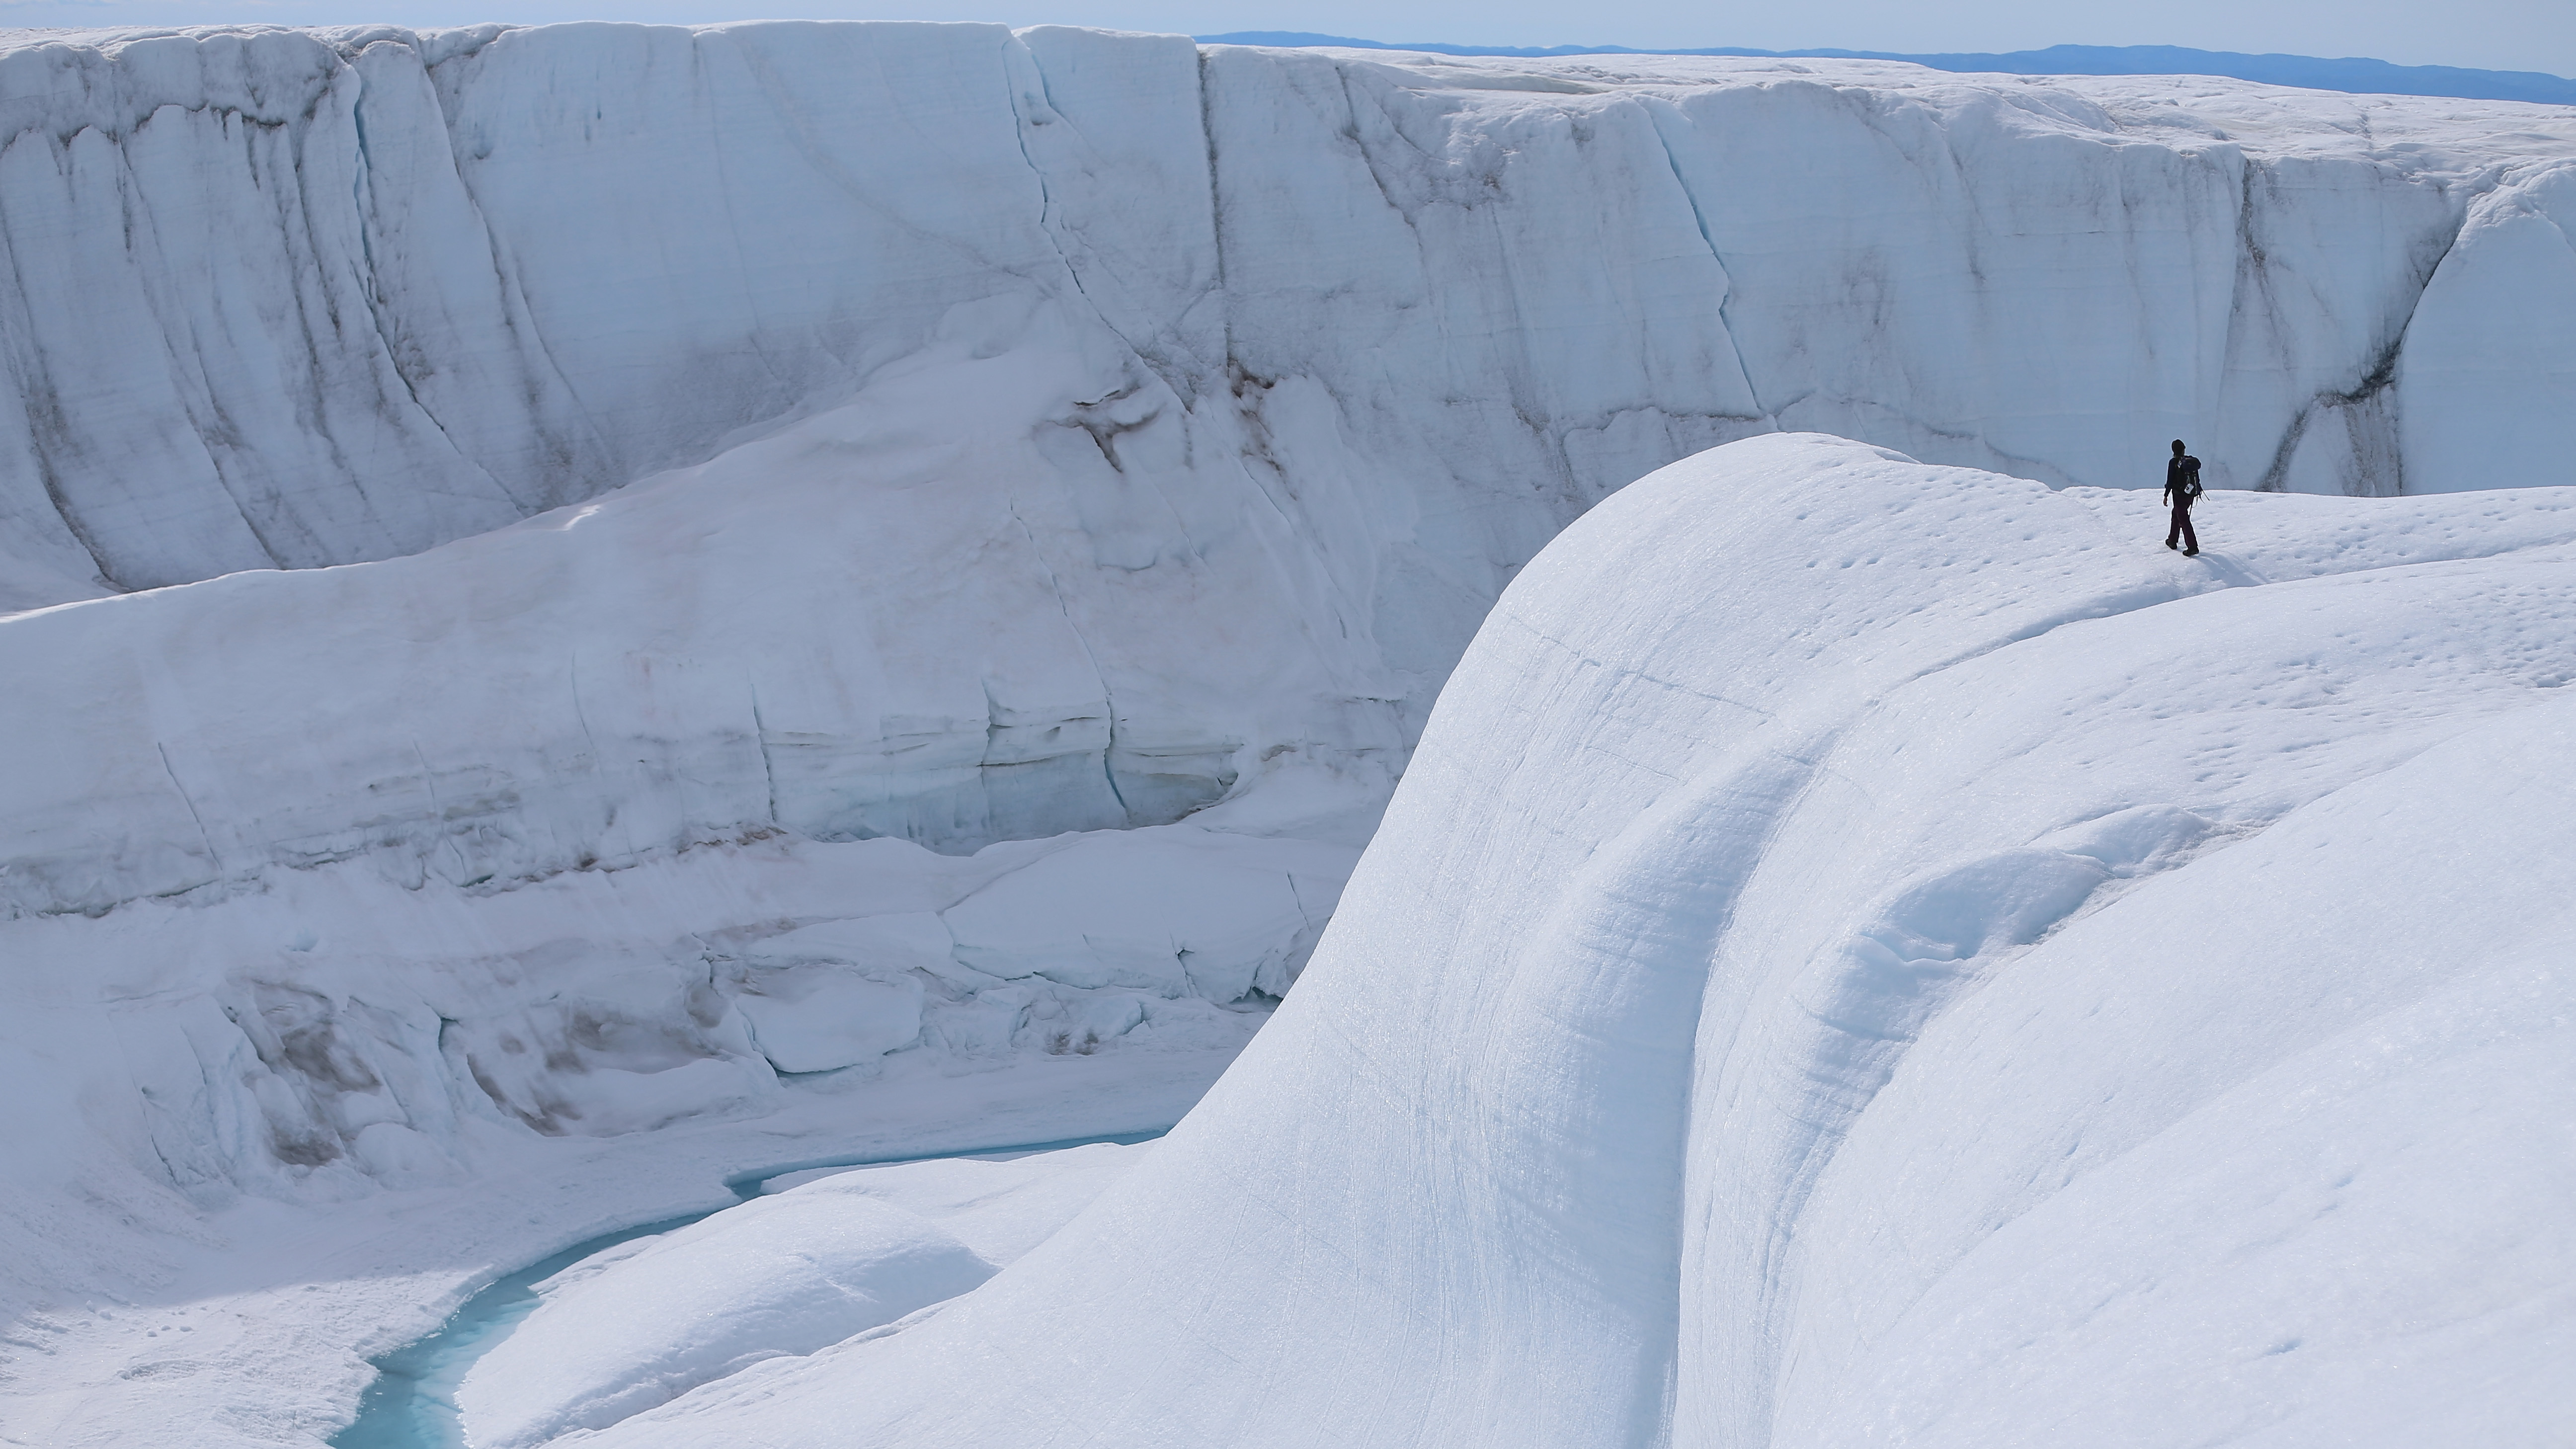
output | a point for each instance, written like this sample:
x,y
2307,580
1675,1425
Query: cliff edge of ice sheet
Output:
x,y
293,298
1876,953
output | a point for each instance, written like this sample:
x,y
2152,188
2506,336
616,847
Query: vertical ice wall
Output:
x,y
288,298
2487,382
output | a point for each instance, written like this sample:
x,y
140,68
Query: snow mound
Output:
x,y
1870,953
781,1275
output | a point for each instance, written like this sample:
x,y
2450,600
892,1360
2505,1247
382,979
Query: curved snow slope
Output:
x,y
1871,952
781,1275
291,298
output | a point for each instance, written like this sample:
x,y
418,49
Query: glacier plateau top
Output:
x,y
283,298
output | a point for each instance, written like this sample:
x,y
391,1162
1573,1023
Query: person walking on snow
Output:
x,y
2182,490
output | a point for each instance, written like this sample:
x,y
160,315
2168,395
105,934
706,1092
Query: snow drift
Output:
x,y
288,298
1871,952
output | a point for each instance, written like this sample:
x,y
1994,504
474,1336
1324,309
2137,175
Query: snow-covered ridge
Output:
x,y
1874,953
287,298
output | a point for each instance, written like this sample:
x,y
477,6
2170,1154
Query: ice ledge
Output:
x,y
458,239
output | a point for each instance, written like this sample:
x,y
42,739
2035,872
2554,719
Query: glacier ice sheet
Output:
x,y
698,561
896,547
1871,952
290,298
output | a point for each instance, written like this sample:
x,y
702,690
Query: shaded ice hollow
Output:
x,y
949,613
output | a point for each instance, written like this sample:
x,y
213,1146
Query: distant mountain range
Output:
x,y
2369,77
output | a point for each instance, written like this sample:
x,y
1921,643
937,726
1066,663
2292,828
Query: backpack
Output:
x,y
2190,479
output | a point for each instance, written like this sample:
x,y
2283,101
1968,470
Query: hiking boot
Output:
x,y
2189,552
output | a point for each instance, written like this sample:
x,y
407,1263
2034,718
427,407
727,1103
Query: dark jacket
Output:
x,y
2182,480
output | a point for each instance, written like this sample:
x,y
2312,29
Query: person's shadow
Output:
x,y
2230,571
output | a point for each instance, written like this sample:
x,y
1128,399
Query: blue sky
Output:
x,y
2490,34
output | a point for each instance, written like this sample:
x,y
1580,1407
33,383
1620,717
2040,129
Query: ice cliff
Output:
x,y
285,299
1871,953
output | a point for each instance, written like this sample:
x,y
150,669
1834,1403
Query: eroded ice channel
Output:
x,y
809,1257
995,578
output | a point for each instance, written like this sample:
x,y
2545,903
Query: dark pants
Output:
x,y
2182,529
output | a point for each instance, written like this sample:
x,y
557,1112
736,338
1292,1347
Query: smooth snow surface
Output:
x,y
290,298
411,1402
1876,953
784,1275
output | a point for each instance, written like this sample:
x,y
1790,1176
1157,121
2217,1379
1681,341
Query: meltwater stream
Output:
x,y
412,1402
